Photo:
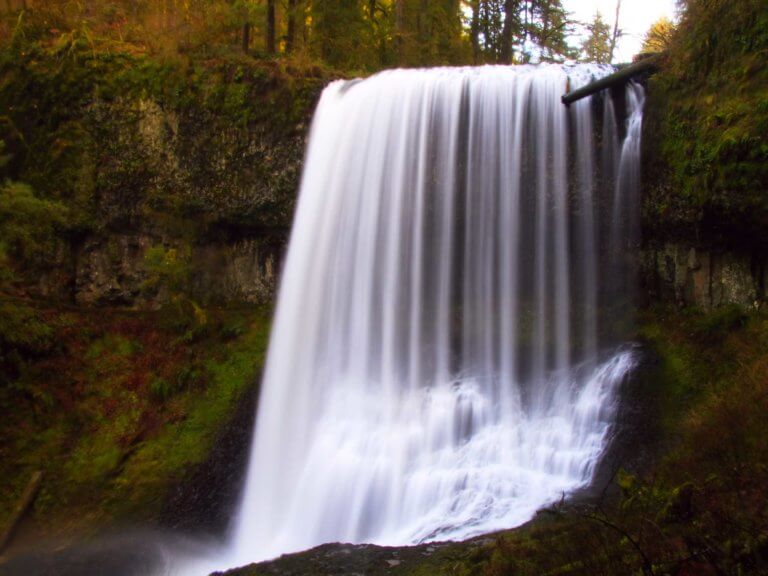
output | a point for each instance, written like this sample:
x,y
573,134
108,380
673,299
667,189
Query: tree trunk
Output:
x,y
544,40
424,32
246,37
25,502
399,28
290,40
647,66
615,31
271,26
475,30
510,15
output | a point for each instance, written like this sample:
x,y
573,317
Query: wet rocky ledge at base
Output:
x,y
370,560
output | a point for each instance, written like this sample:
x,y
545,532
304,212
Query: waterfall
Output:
x,y
439,365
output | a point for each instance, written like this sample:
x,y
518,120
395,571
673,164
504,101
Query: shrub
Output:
x,y
28,225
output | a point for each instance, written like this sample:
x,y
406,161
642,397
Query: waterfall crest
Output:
x,y
439,366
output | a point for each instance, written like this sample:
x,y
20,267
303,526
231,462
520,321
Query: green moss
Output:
x,y
110,344
676,382
23,329
162,459
91,463
131,410
80,122
716,325
29,225
706,127
687,514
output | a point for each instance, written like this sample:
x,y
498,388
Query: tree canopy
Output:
x,y
349,35
659,36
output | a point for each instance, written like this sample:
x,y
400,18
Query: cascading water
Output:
x,y
438,364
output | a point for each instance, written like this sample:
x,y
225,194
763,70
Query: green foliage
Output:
x,y
507,31
168,272
28,225
111,345
679,383
130,410
90,128
91,464
232,330
550,27
24,335
597,46
161,389
357,36
186,442
718,324
702,507
22,327
340,32
167,268
659,36
706,146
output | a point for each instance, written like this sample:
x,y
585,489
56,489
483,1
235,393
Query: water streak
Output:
x,y
438,365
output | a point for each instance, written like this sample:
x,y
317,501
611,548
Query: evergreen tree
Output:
x,y
550,28
509,31
597,46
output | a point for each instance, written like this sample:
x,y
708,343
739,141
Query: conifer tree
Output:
x,y
597,46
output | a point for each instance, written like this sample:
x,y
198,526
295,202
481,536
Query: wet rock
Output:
x,y
188,177
111,270
692,276
204,503
368,560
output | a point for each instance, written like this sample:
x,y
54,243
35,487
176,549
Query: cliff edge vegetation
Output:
x,y
705,143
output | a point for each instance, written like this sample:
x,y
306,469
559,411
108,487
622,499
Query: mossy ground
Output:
x,y
120,410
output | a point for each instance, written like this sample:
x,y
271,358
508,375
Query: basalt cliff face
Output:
x,y
687,274
202,161
226,197
220,194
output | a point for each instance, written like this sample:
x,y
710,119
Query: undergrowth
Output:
x,y
91,415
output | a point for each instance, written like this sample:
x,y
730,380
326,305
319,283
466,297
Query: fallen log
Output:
x,y
25,502
646,65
